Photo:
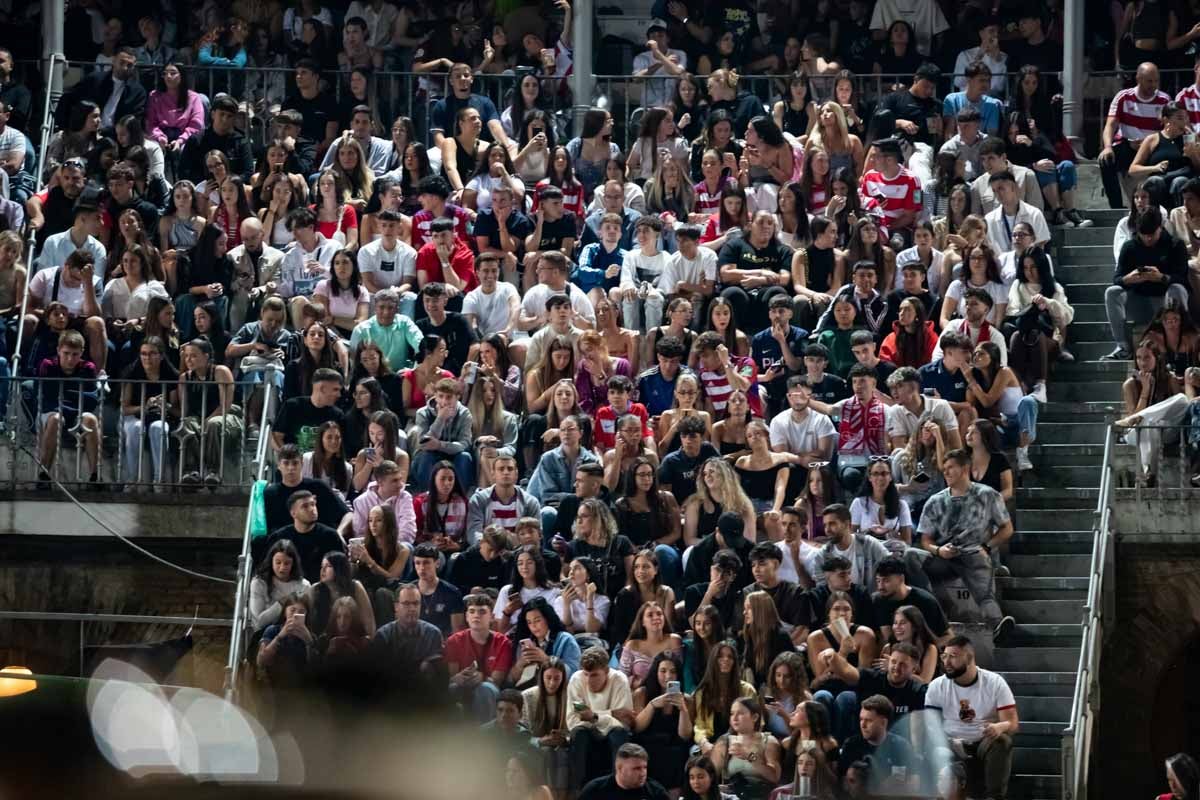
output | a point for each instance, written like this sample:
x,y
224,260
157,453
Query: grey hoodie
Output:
x,y
455,434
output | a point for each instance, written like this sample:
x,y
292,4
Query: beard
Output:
x,y
955,673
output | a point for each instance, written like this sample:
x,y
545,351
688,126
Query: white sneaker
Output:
x,y
1023,462
1039,392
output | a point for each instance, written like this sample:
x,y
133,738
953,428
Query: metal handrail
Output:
x,y
47,131
245,563
1077,738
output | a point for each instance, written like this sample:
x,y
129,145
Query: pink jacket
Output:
x,y
161,112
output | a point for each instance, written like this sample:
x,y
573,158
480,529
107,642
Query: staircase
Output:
x,y
1050,553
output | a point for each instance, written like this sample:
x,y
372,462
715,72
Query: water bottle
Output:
x,y
803,788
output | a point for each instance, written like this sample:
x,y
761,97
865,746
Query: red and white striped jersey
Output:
x,y
1137,118
895,195
1189,98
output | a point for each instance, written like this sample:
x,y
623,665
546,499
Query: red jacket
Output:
x,y
889,351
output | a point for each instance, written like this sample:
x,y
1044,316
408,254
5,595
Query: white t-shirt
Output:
x,y
680,270
391,267
865,513
534,304
579,612
902,422
935,276
637,268
925,16
958,291
550,594
810,557
490,310
41,286
966,709
803,436
483,185
1000,225
858,572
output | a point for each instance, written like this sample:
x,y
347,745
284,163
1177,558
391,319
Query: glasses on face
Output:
x,y
879,459
1019,235
685,392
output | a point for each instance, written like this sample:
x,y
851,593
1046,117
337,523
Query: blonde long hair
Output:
x,y
818,139
360,178
656,191
487,420
733,496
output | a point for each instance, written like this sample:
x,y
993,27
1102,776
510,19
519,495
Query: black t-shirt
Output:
x,y
318,112
743,255
437,608
864,610
470,569
701,559
883,371
678,470
914,109
519,226
458,335
893,751
612,557
553,233
726,605
909,696
606,788
311,546
926,603
791,603
831,389
59,213
298,420
330,506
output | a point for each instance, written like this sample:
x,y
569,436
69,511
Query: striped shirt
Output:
x,y
1189,98
504,514
1137,118
708,202
717,387
896,195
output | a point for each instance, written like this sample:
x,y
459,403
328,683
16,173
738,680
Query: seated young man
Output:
x,y
641,289
478,659
598,271
443,432
62,404
300,417
599,711
554,230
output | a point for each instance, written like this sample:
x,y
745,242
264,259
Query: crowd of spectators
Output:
x,y
648,459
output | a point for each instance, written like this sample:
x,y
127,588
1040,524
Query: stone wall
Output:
x,y
1147,701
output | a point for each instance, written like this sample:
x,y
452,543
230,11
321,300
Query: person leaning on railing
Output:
x,y
146,410
208,417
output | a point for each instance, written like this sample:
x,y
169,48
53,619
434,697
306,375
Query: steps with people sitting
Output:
x,y
1050,554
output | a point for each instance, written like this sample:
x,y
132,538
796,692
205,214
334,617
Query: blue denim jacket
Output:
x,y
554,477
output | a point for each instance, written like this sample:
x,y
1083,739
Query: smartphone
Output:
x,y
672,687
768,699
526,643
426,438
929,392
300,617
921,477
358,541
580,706
368,453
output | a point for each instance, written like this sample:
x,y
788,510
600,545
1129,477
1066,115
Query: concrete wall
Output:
x,y
1147,703
55,558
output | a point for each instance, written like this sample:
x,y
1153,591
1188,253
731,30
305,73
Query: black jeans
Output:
x,y
750,307
1111,172
584,742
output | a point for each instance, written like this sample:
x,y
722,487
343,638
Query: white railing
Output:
x,y
1078,737
241,603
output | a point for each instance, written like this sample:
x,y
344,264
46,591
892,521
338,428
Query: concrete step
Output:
x,y
1042,588
1033,659
1083,254
1043,709
1104,217
1042,612
1095,331
1049,474
1054,432
1086,312
1045,565
1088,291
1072,275
1037,760
1068,519
1081,454
1074,391
1099,411
1093,349
1095,235
1041,734
1040,684
1040,543
1045,634
1031,787
1074,497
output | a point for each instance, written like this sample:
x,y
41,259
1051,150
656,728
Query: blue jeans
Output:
x,y
423,461
1026,422
1064,175
843,711
480,702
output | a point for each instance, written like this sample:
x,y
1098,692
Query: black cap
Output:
x,y
731,527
